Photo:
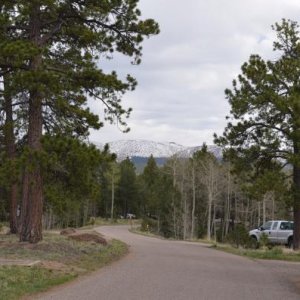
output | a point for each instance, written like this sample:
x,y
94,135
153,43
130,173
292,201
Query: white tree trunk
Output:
x,y
264,208
209,216
112,197
173,200
194,202
227,206
258,208
273,208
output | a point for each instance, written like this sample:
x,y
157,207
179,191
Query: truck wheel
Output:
x,y
290,242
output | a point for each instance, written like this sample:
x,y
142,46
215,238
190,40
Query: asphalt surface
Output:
x,y
160,269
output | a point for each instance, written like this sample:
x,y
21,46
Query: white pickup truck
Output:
x,y
278,232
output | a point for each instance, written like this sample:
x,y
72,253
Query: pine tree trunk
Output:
x,y
32,194
11,154
13,218
296,179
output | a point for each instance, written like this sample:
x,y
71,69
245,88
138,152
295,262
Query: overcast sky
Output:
x,y
186,68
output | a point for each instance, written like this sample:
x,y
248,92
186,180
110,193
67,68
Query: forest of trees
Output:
x,y
203,197
185,199
50,66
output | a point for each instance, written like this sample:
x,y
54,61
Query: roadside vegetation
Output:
x,y
238,242
274,253
107,221
59,259
147,233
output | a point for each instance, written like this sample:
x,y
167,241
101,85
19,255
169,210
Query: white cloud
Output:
x,y
180,96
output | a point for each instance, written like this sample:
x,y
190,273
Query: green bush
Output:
x,y
149,225
165,230
92,221
263,240
239,237
201,231
219,235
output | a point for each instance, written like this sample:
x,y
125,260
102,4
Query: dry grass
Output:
x,y
62,259
276,253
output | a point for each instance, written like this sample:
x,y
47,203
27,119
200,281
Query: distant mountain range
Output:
x,y
140,150
144,148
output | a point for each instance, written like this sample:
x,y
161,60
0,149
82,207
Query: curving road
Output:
x,y
160,269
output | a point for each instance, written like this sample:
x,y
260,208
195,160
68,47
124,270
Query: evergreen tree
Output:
x,y
112,175
151,178
11,154
71,178
127,193
51,49
265,109
166,196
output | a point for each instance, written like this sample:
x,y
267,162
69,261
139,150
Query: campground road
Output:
x,y
160,269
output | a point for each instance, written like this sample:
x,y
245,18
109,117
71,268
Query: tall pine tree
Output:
x,y
51,49
265,111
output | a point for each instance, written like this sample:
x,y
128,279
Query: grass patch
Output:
x,y
96,260
18,281
276,253
62,259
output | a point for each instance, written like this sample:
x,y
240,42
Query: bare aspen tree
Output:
x,y
194,199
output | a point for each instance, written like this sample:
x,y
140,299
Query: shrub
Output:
x,y
239,237
149,224
200,231
92,221
165,230
264,240
276,251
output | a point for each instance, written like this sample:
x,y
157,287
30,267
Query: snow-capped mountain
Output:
x,y
144,148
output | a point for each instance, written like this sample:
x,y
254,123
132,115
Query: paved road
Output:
x,y
159,269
